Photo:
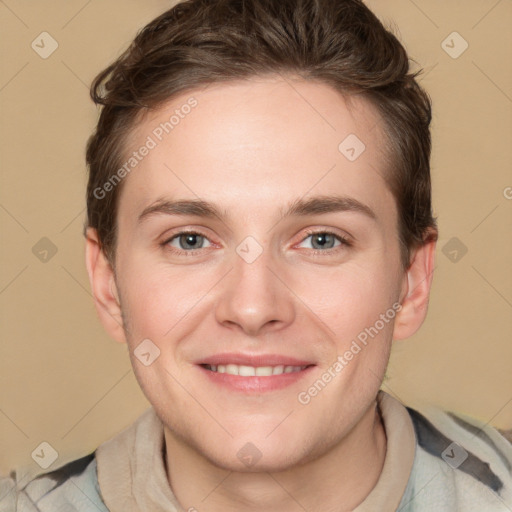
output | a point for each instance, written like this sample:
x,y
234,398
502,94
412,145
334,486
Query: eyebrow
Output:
x,y
300,207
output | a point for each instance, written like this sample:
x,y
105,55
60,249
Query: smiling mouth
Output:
x,y
253,371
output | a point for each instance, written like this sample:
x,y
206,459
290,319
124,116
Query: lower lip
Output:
x,y
256,384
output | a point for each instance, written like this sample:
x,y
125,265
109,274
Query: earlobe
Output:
x,y
415,292
103,286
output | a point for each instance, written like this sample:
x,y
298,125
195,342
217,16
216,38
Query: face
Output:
x,y
256,251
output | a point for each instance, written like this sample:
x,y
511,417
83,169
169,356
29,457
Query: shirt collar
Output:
x,y
132,475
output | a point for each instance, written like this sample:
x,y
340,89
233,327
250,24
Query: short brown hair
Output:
x,y
197,42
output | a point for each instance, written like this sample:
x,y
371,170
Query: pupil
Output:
x,y
189,239
323,239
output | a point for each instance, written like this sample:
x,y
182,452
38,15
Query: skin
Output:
x,y
252,148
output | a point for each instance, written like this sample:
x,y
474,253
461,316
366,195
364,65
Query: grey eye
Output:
x,y
322,240
189,241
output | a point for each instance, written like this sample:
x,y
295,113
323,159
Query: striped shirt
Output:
x,y
435,461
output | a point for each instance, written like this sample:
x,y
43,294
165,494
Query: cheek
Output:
x,y
356,302
352,297
156,296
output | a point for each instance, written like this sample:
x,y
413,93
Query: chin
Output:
x,y
251,459
255,452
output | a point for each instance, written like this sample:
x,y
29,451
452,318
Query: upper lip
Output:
x,y
254,360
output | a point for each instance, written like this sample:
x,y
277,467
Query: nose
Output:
x,y
253,299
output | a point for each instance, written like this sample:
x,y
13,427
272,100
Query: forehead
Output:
x,y
250,143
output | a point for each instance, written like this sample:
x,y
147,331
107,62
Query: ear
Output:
x,y
103,286
415,292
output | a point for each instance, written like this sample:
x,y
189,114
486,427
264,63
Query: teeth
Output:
x,y
254,371
244,371
277,370
231,369
263,371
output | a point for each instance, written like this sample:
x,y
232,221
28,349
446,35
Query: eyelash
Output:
x,y
342,239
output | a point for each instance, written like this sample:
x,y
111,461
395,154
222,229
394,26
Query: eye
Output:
x,y
325,240
187,241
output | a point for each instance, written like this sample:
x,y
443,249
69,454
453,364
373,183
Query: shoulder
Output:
x,y
460,464
73,486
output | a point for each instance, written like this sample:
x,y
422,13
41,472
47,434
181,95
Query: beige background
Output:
x,y
63,381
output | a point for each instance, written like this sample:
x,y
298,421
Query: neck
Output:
x,y
337,481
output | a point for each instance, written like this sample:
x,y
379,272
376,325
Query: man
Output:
x,y
259,231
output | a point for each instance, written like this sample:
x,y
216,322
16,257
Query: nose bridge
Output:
x,y
252,296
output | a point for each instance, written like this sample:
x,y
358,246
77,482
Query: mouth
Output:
x,y
254,373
